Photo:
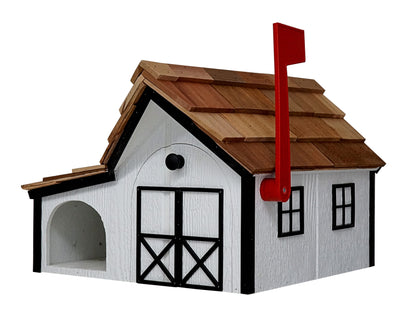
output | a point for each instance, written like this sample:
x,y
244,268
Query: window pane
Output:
x,y
339,196
347,195
347,219
296,199
296,221
158,211
285,223
200,212
339,215
285,206
291,218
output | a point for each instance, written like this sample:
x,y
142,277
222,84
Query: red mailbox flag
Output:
x,y
289,49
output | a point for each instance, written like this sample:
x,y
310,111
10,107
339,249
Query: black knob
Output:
x,y
174,161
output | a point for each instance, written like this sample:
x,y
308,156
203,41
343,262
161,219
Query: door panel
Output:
x,y
200,263
158,212
157,245
200,214
179,237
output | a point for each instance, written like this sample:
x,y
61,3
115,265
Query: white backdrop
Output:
x,y
65,68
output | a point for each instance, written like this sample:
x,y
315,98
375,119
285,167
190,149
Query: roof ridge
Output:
x,y
172,72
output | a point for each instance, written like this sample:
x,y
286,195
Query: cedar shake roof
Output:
x,y
77,173
236,109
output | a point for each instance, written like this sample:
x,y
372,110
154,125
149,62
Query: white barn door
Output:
x,y
179,236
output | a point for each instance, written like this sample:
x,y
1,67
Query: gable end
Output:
x,y
191,127
150,94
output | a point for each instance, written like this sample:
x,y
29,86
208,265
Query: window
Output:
x,y
342,206
291,214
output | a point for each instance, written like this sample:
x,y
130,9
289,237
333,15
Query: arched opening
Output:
x,y
77,238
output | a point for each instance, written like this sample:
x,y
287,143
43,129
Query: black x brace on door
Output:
x,y
177,242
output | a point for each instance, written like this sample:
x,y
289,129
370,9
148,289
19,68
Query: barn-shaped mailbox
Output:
x,y
176,199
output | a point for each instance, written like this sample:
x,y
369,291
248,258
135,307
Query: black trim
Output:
x,y
37,235
188,189
73,184
130,127
247,254
372,218
139,231
291,211
180,241
178,236
342,223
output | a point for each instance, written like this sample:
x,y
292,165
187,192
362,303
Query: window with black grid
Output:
x,y
291,214
343,211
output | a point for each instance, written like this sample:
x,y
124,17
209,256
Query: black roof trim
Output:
x,y
130,127
72,184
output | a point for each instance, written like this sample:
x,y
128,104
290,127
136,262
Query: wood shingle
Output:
x,y
236,109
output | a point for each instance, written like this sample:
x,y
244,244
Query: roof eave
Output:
x,y
71,184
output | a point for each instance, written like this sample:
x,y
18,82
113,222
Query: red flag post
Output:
x,y
289,49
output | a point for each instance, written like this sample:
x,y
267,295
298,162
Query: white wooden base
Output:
x,y
93,264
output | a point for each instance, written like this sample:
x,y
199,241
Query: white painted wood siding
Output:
x,y
319,252
346,249
142,163
286,260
